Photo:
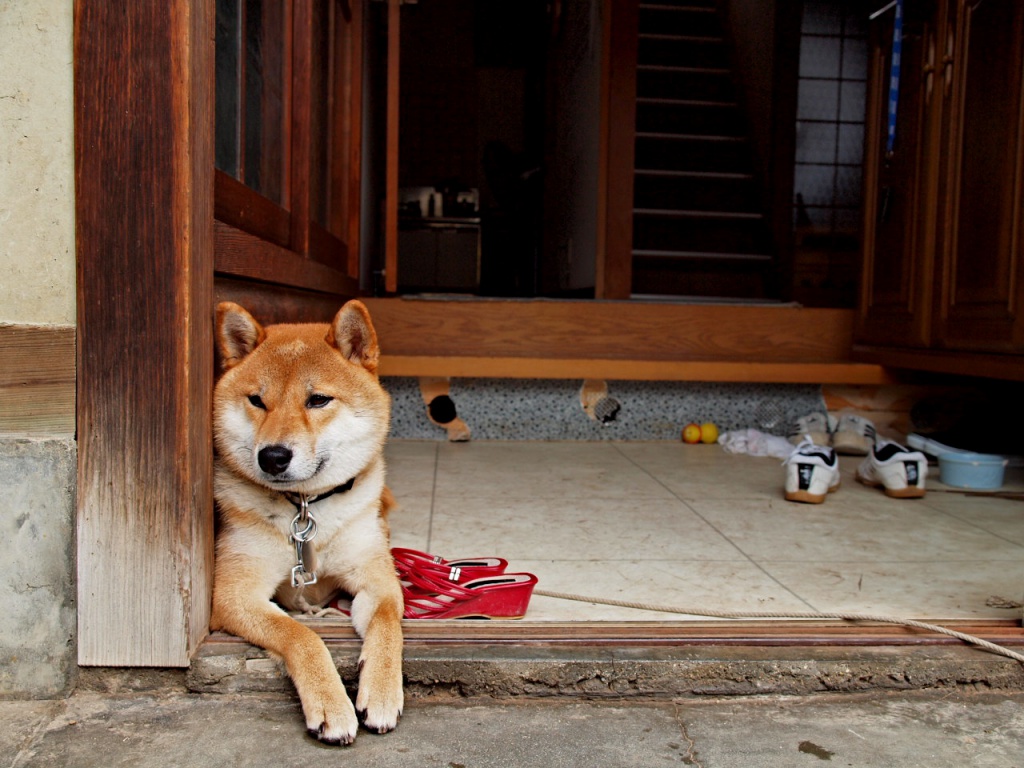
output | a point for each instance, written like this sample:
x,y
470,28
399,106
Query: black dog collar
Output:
x,y
296,499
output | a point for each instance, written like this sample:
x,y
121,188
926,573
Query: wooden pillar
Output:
x,y
391,165
618,132
144,207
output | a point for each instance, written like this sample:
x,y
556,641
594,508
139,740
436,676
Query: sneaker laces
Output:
x,y
799,450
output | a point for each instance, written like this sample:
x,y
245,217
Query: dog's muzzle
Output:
x,y
274,459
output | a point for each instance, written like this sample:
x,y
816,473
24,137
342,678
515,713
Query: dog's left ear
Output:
x,y
353,335
238,333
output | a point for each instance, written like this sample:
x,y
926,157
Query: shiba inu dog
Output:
x,y
300,421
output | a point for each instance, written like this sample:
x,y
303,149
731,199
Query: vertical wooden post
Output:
x,y
301,137
614,273
391,168
144,238
354,138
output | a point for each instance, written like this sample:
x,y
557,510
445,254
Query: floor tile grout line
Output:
x,y
716,530
971,523
433,496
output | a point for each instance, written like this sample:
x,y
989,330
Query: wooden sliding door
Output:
x,y
288,144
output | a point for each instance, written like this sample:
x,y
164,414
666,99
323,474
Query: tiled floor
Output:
x,y
695,527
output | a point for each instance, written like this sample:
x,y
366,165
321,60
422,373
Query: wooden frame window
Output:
x,y
287,142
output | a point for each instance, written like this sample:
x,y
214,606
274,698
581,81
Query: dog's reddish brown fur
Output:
x,y
309,392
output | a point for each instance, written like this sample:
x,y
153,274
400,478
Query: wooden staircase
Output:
x,y
698,226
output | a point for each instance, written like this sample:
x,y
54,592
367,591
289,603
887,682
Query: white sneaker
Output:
x,y
899,472
817,426
812,472
854,435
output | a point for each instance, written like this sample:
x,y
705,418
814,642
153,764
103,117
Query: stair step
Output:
x,y
682,38
698,214
727,281
694,190
693,174
656,229
685,19
697,228
690,137
675,101
709,83
708,6
698,51
683,117
699,255
681,69
680,152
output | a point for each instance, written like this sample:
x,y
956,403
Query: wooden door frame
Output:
x,y
145,241
145,244
143,107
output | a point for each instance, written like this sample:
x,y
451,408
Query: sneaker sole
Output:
x,y
910,492
806,497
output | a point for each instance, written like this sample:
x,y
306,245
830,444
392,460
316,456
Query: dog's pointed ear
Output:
x,y
238,333
353,335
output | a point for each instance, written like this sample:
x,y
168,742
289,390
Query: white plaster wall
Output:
x,y
37,214
37,287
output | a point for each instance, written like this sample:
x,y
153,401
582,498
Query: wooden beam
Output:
x,y
618,340
612,330
240,254
37,380
144,238
633,370
270,303
1008,367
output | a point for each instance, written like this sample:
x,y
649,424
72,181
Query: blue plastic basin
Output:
x,y
977,471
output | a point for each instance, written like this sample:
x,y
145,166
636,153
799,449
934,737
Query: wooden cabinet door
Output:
x,y
899,187
982,286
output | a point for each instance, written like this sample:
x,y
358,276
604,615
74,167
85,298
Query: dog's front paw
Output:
x,y
380,699
332,721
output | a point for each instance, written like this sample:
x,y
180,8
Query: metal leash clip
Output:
x,y
303,529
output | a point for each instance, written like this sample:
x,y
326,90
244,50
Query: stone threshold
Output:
x,y
614,671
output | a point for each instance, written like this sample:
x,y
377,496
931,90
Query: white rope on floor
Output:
x,y
971,639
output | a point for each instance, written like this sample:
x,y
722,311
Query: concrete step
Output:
x,y
602,670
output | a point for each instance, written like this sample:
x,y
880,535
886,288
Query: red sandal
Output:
x,y
461,570
500,596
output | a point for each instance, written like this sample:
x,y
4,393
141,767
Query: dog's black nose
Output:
x,y
274,459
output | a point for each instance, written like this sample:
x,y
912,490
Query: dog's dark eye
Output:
x,y
318,401
257,401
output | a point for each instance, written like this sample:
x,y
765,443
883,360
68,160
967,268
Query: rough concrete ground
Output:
x,y
891,729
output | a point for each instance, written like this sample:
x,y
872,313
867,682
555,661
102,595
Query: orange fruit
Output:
x,y
708,432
